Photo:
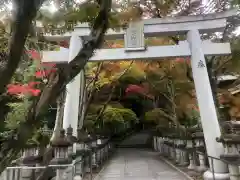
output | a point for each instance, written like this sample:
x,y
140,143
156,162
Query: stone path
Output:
x,y
139,139
138,164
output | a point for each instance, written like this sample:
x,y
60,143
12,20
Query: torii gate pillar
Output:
x,y
71,108
209,119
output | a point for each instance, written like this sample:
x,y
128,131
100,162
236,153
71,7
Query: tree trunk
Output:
x,y
59,116
82,99
17,140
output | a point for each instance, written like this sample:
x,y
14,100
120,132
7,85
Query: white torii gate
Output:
x,y
135,50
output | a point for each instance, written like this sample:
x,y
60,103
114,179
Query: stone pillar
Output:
x,y
190,150
154,143
206,106
71,107
178,152
79,149
165,149
200,151
94,149
28,161
184,155
231,154
160,144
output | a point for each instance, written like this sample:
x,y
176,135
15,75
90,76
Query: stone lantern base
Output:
x,y
208,175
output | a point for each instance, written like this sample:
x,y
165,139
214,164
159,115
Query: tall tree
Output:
x,y
57,81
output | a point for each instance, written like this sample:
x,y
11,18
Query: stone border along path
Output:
x,y
139,164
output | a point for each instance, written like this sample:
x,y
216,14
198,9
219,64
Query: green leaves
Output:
x,y
17,115
158,116
121,115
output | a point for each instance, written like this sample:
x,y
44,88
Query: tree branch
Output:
x,y
111,94
93,89
77,64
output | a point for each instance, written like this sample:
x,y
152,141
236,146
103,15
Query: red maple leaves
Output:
x,y
34,54
23,89
45,70
32,88
132,88
138,89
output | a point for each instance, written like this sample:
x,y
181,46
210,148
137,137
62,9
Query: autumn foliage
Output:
x,y
182,60
32,88
19,89
138,89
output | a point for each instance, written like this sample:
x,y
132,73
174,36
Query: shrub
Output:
x,y
157,116
119,115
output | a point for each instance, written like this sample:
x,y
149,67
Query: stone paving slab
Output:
x,y
138,164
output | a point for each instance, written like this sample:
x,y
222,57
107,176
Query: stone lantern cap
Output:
x,y
88,141
82,136
31,144
193,129
173,136
71,139
34,158
198,135
229,139
233,159
229,127
61,141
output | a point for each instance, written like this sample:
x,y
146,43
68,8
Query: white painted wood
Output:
x,y
209,119
71,108
152,53
153,30
134,37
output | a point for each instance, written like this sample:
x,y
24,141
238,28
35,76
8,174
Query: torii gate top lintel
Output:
x,y
136,32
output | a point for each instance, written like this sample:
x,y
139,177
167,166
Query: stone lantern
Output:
x,y
72,140
61,156
180,150
155,142
190,150
170,146
80,149
201,150
231,143
160,141
190,146
94,152
105,149
99,151
88,154
166,146
30,157
184,161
